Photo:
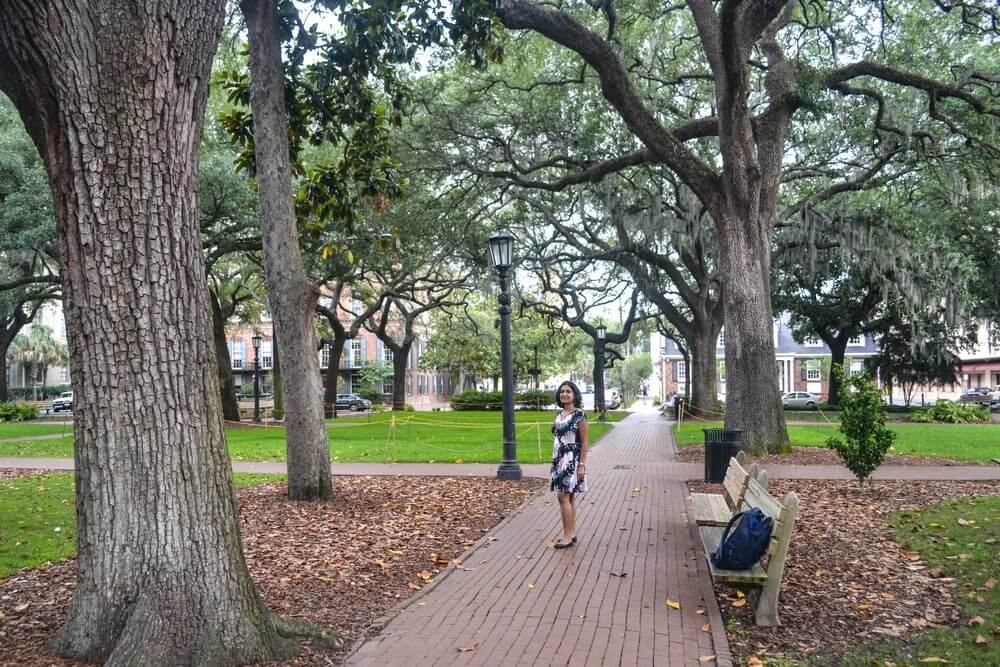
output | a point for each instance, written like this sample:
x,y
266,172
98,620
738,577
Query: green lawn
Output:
x,y
37,518
967,551
28,429
969,442
470,437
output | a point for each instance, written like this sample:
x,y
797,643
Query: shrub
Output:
x,y
376,397
535,399
949,412
477,400
862,421
17,412
43,393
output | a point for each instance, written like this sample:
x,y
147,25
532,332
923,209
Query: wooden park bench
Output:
x,y
744,489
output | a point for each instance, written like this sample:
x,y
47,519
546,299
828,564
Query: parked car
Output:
x,y
800,399
977,395
352,402
63,401
995,394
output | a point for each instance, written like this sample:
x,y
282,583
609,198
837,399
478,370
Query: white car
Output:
x,y
800,399
63,401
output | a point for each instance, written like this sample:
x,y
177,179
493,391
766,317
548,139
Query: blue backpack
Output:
x,y
745,544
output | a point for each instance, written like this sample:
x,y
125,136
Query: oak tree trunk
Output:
x,y
224,364
752,400
702,373
838,350
399,358
292,296
4,397
113,96
333,374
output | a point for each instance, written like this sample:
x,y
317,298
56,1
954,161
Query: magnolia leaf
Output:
x,y
740,602
707,658
673,604
466,649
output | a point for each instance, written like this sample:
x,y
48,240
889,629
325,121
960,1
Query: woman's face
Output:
x,y
566,395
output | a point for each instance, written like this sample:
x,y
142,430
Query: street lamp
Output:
x,y
501,247
602,334
256,376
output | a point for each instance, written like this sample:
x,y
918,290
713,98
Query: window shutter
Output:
x,y
379,355
673,366
802,370
243,346
364,351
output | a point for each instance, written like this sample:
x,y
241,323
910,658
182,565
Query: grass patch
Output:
x,y
968,551
405,437
969,442
29,429
38,518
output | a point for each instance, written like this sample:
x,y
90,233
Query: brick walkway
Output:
x,y
518,602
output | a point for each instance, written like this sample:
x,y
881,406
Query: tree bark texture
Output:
x,y
292,296
838,350
399,359
704,400
113,96
224,364
333,373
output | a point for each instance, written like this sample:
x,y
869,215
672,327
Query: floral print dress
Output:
x,y
566,453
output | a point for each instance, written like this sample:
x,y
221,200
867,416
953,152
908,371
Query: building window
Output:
x,y
813,372
324,357
439,384
387,385
356,361
63,375
423,385
682,371
236,353
386,354
812,341
855,368
266,354
856,341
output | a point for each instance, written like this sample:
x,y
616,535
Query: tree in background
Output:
x,y
36,350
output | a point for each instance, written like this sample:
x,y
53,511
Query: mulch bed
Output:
x,y
338,565
815,456
846,581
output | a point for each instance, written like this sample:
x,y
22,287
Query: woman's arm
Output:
x,y
584,433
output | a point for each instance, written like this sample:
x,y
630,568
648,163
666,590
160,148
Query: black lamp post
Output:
x,y
256,376
501,246
602,333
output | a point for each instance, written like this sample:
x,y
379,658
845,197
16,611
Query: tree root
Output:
x,y
289,628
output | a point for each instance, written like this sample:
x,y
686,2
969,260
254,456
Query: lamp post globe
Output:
x,y
255,341
501,252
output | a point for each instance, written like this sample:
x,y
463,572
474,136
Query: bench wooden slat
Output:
x,y
710,509
757,496
711,537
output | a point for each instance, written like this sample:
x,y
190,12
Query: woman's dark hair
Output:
x,y
577,396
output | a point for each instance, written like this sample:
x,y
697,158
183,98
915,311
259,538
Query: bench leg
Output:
x,y
766,614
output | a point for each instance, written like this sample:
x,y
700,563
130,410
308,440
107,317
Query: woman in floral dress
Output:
x,y
569,457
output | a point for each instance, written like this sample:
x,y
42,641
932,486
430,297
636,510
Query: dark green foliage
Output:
x,y
493,400
372,394
949,412
42,393
17,412
536,399
862,421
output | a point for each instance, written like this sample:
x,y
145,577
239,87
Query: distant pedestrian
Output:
x,y
569,457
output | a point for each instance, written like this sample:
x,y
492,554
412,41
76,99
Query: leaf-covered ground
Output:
x,y
847,582
339,564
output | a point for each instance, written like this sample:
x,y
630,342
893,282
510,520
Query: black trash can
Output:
x,y
721,444
678,406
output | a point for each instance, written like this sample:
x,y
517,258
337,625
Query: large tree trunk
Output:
x,y
752,399
399,358
278,402
292,296
115,106
4,396
599,381
704,401
838,349
224,364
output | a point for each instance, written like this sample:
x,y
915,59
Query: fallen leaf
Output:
x,y
934,658
706,628
619,574
707,658
674,605
700,611
466,649
990,583
636,490
982,640
395,552
426,575
739,603
754,661
530,586
966,522
977,620
413,585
